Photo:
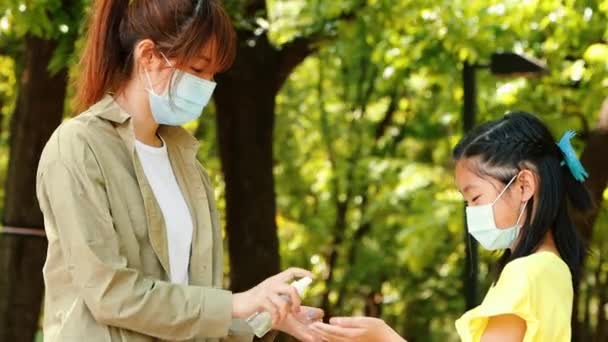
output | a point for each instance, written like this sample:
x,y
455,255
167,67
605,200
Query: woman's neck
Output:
x,y
133,98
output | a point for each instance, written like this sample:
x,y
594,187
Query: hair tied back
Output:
x,y
570,158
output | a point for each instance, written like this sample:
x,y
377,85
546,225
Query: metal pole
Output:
x,y
471,269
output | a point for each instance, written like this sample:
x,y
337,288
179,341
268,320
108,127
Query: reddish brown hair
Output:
x,y
180,29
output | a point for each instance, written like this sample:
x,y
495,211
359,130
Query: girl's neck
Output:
x,y
548,244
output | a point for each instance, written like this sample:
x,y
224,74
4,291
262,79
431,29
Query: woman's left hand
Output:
x,y
298,324
355,329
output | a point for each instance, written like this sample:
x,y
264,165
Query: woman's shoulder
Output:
x,y
71,140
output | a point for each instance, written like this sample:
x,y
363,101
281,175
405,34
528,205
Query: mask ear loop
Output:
x,y
150,87
505,189
171,81
521,213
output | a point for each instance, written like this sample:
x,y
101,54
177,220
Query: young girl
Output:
x,y
135,248
518,185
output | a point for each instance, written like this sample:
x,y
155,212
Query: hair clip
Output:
x,y
570,158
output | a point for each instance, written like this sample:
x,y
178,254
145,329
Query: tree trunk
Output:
x,y
245,101
595,160
245,110
38,112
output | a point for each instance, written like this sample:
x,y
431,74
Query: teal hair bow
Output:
x,y
570,158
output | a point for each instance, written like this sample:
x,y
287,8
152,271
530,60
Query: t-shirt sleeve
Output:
x,y
512,294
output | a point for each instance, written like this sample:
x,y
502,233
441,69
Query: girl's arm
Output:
x,y
504,328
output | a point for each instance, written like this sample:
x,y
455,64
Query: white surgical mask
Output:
x,y
189,96
481,224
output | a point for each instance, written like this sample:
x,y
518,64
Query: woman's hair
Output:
x,y
179,28
501,149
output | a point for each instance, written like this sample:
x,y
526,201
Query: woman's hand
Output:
x,y
298,325
273,295
356,329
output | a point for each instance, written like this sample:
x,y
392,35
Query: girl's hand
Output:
x,y
298,325
356,329
273,295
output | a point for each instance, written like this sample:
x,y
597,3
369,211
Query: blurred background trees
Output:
x,y
329,144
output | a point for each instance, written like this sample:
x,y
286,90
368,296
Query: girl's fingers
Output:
x,y
325,336
350,322
338,331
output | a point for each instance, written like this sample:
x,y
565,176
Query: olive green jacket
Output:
x,y
107,269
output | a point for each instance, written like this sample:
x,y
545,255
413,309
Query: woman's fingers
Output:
x,y
309,314
293,297
281,305
272,309
292,273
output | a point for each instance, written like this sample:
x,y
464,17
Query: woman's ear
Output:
x,y
145,54
527,183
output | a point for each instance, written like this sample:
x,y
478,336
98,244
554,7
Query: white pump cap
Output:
x,y
302,284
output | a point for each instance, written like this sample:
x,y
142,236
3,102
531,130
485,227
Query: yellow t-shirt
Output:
x,y
537,288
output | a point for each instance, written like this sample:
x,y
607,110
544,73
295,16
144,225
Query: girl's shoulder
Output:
x,y
539,262
538,268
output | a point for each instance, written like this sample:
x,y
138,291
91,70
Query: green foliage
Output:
x,y
400,238
365,127
58,20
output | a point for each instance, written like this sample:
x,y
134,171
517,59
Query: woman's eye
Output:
x,y
196,70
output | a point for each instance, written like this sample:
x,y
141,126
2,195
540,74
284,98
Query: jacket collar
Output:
x,y
108,109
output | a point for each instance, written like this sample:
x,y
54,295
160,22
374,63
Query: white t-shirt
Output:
x,y
178,220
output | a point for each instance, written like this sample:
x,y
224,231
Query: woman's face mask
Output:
x,y
184,102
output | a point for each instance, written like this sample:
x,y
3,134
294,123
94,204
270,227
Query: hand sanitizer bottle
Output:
x,y
261,322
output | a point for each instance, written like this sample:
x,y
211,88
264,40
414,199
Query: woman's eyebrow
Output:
x,y
204,58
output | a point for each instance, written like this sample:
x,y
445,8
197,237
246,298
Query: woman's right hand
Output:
x,y
270,295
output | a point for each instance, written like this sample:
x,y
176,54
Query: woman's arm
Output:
x,y
504,328
73,199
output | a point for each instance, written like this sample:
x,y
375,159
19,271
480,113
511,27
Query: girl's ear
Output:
x,y
527,183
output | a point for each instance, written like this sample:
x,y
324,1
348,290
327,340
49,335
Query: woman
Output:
x,y
517,184
135,248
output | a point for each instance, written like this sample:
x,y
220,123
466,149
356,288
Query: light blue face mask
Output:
x,y
186,100
482,225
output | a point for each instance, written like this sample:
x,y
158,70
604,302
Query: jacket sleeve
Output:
x,y
73,199
239,330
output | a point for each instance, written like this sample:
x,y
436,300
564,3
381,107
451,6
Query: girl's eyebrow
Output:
x,y
467,188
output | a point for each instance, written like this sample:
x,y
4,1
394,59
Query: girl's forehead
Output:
x,y
468,178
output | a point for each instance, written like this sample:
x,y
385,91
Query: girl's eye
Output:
x,y
475,198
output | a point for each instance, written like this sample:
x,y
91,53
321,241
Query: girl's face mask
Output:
x,y
482,225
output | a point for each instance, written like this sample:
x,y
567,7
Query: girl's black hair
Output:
x,y
504,147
